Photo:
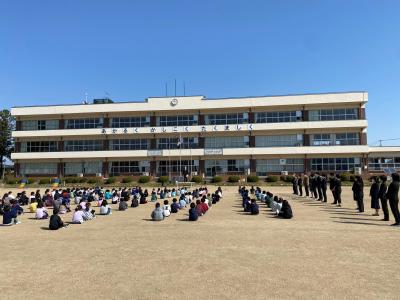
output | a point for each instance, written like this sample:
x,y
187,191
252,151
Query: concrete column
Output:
x,y
60,146
307,165
106,122
60,169
251,117
17,169
202,169
18,125
253,166
105,169
153,167
252,141
201,142
202,120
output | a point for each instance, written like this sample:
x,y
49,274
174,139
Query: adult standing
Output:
x,y
300,185
294,184
374,194
383,198
324,187
338,190
358,192
393,197
319,186
306,182
332,186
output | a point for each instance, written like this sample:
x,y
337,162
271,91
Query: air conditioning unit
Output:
x,y
79,175
284,173
145,173
357,171
99,175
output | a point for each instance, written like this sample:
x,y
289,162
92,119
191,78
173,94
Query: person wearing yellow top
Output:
x,y
33,206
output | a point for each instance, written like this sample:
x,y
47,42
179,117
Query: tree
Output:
x,y
7,123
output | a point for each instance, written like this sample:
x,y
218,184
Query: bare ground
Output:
x,y
324,252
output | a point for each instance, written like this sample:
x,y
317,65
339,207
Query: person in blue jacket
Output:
x,y
193,215
254,207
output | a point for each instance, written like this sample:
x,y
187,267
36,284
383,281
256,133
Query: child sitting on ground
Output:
x,y
105,209
55,221
174,206
122,205
157,214
193,215
78,216
41,212
254,207
166,209
286,211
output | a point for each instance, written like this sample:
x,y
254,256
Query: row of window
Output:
x,y
193,142
212,167
189,120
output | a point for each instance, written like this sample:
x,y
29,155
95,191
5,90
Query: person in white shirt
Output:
x,y
78,216
41,212
276,205
105,209
166,209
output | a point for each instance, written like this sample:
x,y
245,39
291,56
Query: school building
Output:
x,y
196,135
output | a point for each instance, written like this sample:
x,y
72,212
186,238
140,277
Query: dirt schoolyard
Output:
x,y
325,252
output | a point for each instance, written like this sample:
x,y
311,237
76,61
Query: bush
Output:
x,y
12,180
93,180
144,179
287,178
82,179
217,179
127,180
71,180
271,178
252,178
197,179
30,180
345,177
163,179
44,181
110,180
233,178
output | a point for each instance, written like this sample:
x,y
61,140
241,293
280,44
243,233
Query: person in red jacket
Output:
x,y
204,205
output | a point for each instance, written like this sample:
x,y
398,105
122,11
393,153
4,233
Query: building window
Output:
x,y
333,114
165,167
128,122
266,166
43,146
172,143
84,123
135,144
389,164
40,125
187,120
278,117
338,139
42,168
84,145
226,142
279,140
223,119
216,167
89,167
335,164
129,167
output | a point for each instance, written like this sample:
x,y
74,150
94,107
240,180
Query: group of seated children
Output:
x,y
199,201
277,205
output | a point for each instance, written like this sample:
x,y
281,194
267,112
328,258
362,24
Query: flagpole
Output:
x,y
180,154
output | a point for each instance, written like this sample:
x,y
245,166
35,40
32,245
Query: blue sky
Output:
x,y
51,52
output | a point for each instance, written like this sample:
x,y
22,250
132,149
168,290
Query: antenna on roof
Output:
x,y
166,89
85,101
175,87
184,89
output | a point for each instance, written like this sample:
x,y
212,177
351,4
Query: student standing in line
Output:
x,y
374,194
358,191
332,186
300,185
306,182
294,183
393,197
338,190
383,198
324,187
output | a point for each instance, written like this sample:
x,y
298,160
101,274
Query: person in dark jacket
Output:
x,y
393,197
295,185
374,194
174,206
313,186
286,211
338,190
55,221
324,187
306,183
332,185
193,215
135,201
300,185
358,192
254,207
318,184
383,198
